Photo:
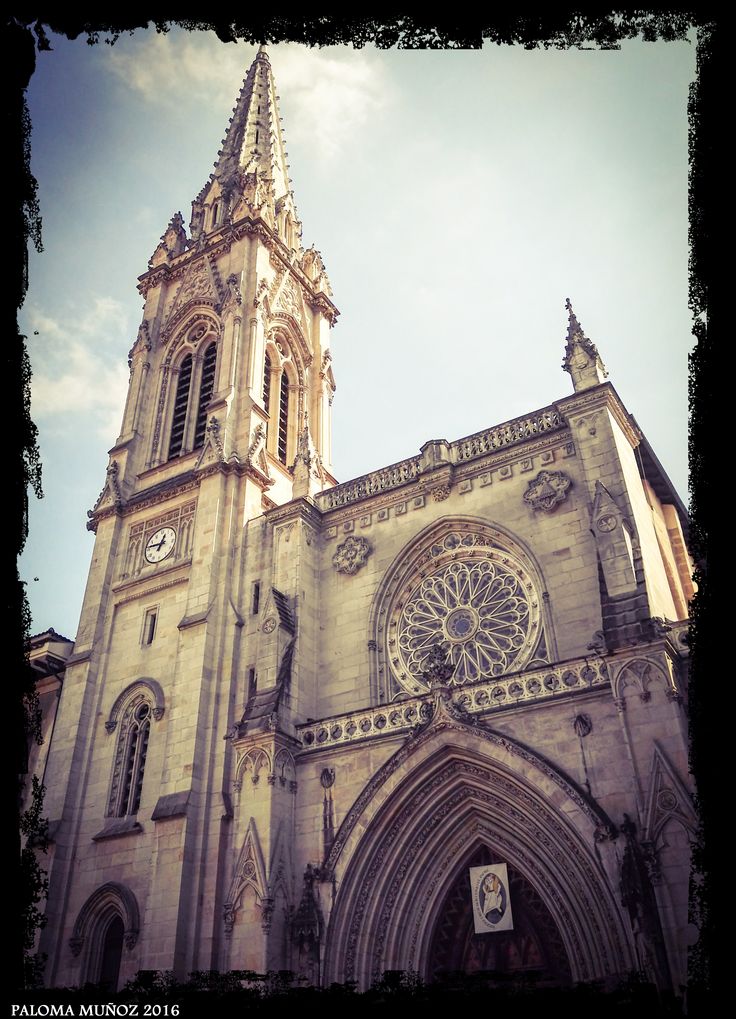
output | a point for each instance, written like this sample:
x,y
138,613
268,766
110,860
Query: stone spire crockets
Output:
x,y
252,162
254,139
582,359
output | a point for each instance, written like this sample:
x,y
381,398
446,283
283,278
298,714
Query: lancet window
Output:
x,y
195,376
280,400
130,756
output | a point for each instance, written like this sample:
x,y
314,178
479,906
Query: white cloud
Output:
x,y
165,67
332,92
77,367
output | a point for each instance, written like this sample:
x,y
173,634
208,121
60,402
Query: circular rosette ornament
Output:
x,y
483,611
351,555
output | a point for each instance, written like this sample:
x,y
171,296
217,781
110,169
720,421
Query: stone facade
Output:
x,y
298,711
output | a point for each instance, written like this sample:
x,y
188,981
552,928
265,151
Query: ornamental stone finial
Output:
x,y
582,359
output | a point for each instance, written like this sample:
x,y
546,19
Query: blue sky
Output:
x,y
457,197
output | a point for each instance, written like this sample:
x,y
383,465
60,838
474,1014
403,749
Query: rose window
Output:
x,y
483,612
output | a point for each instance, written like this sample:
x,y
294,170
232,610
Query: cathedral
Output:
x,y
431,719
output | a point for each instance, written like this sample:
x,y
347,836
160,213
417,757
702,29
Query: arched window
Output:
x,y
181,403
194,390
205,393
130,759
281,388
215,214
283,418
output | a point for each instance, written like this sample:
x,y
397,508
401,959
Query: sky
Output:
x,y
457,197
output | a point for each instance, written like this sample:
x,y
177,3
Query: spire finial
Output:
x,y
573,326
582,359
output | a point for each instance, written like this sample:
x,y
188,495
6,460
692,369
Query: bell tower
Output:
x,y
232,361
227,416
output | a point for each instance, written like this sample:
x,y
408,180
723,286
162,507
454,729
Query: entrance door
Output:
x,y
533,948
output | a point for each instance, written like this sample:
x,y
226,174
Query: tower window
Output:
x,y
256,597
194,390
267,382
283,418
149,626
215,213
205,393
181,403
252,683
130,759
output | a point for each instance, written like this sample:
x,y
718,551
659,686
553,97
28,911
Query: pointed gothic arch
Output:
x,y
111,910
133,711
284,375
450,792
188,380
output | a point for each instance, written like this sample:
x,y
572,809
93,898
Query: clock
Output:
x,y
160,544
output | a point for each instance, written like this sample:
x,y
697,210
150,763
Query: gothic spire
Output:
x,y
251,174
254,140
582,359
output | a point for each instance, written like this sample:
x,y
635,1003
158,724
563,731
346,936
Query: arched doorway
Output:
x,y
533,949
111,954
398,861
107,924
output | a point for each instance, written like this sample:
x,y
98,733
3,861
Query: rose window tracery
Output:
x,y
476,602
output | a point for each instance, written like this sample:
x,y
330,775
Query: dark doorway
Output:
x,y
112,951
533,950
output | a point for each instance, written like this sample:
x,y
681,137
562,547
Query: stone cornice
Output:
x,y
130,589
475,700
488,447
220,242
466,471
601,397
297,509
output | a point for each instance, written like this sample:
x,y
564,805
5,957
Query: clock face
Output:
x,y
160,544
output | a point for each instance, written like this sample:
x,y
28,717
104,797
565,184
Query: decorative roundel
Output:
x,y
478,603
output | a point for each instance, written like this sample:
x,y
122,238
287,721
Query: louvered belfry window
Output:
x,y
267,382
194,388
205,393
181,403
283,418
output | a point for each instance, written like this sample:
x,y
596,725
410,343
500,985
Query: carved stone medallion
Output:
x,y
351,555
547,490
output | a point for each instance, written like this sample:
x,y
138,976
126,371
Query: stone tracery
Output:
x,y
469,588
479,607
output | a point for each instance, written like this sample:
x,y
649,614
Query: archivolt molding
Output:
x,y
426,818
181,322
640,675
252,762
108,899
552,783
284,768
144,685
282,324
